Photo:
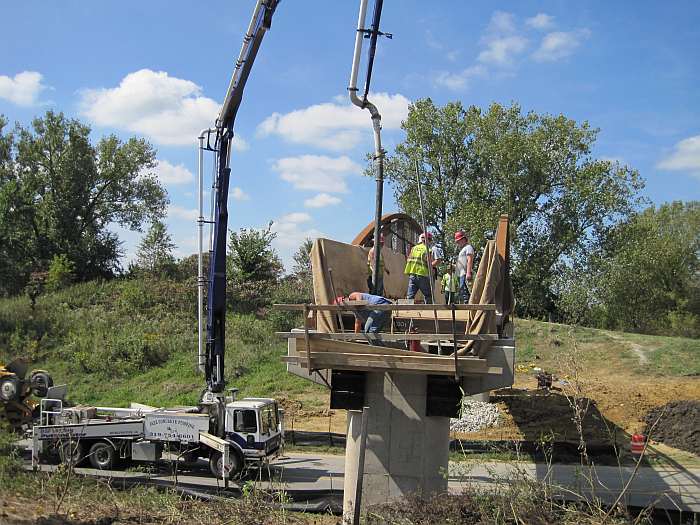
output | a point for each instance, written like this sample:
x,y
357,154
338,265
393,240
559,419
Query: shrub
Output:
x,y
118,351
61,273
250,330
289,290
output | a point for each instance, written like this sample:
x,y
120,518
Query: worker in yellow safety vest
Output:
x,y
418,267
449,285
382,269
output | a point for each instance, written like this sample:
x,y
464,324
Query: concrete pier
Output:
x,y
406,452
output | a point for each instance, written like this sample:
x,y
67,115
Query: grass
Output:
x,y
64,497
135,340
122,341
540,343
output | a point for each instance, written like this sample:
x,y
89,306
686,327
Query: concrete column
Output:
x,y
406,452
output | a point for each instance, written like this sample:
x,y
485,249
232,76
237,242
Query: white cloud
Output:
x,y
540,21
503,50
685,157
321,201
291,232
170,174
238,144
502,41
459,81
23,89
501,22
335,126
317,172
179,213
168,110
559,44
296,217
239,195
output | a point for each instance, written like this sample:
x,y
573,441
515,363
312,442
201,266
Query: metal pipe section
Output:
x,y
429,254
201,358
377,127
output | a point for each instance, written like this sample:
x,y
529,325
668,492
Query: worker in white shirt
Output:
x,y
465,263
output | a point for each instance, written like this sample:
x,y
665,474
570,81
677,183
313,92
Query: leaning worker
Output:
x,y
382,269
417,268
465,263
449,285
373,319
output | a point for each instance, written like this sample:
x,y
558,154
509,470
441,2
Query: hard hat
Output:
x,y
459,235
423,235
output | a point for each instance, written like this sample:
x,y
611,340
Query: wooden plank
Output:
x,y
306,337
418,359
423,369
345,347
362,305
351,336
390,363
443,315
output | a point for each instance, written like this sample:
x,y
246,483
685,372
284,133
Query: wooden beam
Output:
x,y
362,305
461,316
368,362
306,338
352,336
419,358
346,347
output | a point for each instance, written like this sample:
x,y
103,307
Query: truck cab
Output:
x,y
254,428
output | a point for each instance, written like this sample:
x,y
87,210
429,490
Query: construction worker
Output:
x,y
373,319
370,268
417,268
449,285
465,263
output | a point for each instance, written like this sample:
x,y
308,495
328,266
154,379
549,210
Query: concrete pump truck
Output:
x,y
229,433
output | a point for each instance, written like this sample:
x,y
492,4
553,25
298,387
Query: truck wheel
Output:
x,y
40,382
102,455
216,465
71,453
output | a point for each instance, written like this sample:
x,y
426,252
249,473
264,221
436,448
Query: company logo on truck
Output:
x,y
175,428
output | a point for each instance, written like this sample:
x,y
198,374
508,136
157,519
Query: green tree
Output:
x,y
253,268
60,274
59,193
647,274
154,255
16,248
539,169
302,261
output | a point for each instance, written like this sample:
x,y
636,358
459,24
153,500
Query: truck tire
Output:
x,y
216,462
40,382
71,453
102,455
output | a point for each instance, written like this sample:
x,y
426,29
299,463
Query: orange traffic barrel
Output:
x,y
637,444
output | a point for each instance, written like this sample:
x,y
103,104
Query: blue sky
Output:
x,y
159,69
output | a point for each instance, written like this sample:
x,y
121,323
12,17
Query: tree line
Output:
x,y
586,247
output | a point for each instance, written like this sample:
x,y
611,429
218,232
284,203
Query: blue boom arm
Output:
x,y
216,306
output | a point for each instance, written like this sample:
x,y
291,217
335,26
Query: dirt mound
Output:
x,y
679,426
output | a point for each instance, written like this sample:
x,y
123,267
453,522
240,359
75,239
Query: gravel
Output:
x,y
476,415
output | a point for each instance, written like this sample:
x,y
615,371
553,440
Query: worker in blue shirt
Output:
x,y
373,319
